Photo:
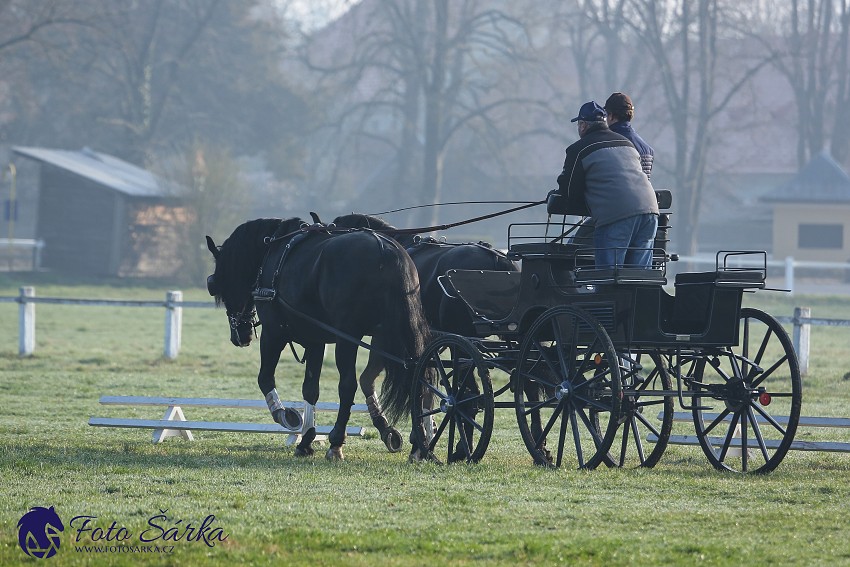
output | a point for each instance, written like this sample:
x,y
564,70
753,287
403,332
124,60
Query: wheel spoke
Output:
x,y
624,445
757,432
770,371
452,426
549,424
763,347
717,420
744,447
638,440
776,425
469,420
576,437
648,424
539,405
729,436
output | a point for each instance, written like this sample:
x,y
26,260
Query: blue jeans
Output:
x,y
626,242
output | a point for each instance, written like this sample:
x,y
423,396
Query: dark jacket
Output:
x,y
603,178
647,154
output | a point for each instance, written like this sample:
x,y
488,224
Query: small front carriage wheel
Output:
x,y
568,389
647,411
452,401
747,414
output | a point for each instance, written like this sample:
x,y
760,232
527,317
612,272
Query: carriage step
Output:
x,y
828,446
264,294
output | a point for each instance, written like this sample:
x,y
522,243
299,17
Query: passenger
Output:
x,y
620,113
603,178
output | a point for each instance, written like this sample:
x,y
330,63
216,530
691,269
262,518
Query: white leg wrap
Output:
x,y
374,407
309,416
273,401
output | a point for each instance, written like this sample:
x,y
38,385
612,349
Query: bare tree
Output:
x,y
142,53
808,40
687,42
421,76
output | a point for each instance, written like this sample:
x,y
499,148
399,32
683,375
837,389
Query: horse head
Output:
x,y
237,262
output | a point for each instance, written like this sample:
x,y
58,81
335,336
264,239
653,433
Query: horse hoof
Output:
x,y
304,451
392,439
292,419
334,454
419,455
288,418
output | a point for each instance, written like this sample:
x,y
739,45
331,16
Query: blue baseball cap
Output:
x,y
590,112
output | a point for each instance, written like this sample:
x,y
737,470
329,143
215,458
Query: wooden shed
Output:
x,y
99,215
811,213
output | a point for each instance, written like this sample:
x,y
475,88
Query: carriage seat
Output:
x,y
556,204
724,278
563,251
620,275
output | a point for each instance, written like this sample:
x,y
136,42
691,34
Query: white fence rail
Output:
x,y
21,253
174,304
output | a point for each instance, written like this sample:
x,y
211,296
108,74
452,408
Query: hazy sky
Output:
x,y
315,13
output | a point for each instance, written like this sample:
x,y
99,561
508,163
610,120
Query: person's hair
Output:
x,y
619,105
622,114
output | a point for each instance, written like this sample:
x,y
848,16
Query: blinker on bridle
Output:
x,y
243,317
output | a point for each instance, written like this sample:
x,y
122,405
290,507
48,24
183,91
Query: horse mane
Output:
x,y
360,220
241,255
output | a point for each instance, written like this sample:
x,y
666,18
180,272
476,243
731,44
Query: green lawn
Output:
x,y
374,508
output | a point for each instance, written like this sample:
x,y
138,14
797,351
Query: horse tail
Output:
x,y
404,333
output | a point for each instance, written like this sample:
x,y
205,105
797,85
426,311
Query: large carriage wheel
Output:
x,y
567,389
452,401
646,410
756,392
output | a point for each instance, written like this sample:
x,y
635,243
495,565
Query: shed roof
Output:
x,y
821,180
105,170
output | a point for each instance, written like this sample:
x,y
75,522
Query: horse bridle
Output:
x,y
240,318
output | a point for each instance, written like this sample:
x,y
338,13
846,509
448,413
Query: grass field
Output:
x,y
374,508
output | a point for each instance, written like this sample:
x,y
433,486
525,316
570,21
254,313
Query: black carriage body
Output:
x,y
593,355
631,304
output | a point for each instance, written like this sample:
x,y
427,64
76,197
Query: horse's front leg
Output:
x,y
346,354
314,354
389,434
272,342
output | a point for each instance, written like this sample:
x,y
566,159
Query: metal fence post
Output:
x,y
26,322
173,323
802,337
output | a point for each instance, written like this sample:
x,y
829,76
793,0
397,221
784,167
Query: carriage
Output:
x,y
594,361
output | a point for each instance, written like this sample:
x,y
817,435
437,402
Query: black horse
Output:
x,y
312,286
446,314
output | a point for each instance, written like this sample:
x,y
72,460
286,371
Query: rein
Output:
x,y
332,229
341,334
463,222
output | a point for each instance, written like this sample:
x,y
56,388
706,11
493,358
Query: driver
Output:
x,y
603,178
